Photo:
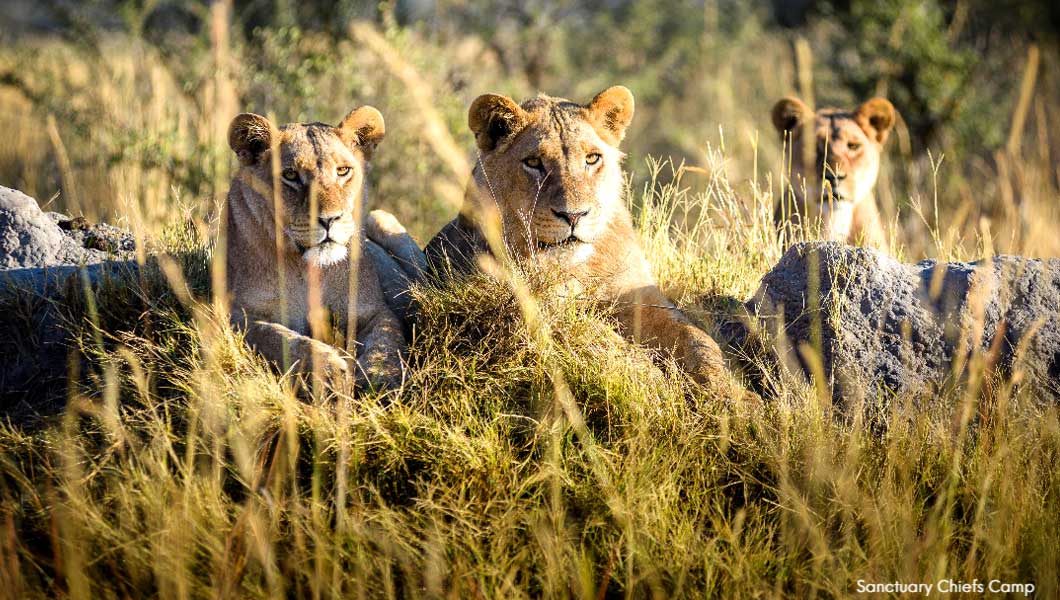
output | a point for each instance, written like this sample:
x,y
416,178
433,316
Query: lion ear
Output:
x,y
612,111
876,117
364,128
788,113
250,137
494,118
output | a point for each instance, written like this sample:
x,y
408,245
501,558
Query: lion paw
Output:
x,y
377,372
325,363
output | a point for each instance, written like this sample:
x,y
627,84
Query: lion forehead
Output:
x,y
556,128
561,134
836,123
314,146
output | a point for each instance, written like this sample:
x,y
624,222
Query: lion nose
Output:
x,y
326,222
834,176
570,217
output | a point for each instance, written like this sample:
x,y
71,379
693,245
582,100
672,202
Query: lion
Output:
x,y
845,167
289,250
552,168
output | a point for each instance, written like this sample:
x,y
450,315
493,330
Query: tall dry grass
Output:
x,y
532,451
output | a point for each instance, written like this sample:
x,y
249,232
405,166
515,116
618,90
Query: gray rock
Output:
x,y
881,326
885,326
28,238
40,251
31,238
40,255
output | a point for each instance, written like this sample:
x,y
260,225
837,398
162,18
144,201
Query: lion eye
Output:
x,y
289,174
853,145
342,171
592,159
533,162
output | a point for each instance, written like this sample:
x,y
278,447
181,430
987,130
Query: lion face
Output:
x,y
552,167
847,147
318,175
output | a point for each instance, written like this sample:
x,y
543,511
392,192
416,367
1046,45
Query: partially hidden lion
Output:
x,y
845,165
289,250
552,169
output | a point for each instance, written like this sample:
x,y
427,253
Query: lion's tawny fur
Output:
x,y
845,164
553,170
329,164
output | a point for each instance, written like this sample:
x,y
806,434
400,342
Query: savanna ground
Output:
x,y
532,452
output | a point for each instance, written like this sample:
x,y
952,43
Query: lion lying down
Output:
x,y
552,169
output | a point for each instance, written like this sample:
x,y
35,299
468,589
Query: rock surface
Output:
x,y
31,238
910,328
39,253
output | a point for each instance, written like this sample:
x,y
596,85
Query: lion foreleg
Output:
x,y
287,348
647,317
379,364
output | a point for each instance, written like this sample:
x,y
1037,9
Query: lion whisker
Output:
x,y
533,210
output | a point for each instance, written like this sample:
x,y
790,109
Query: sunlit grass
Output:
x,y
532,452
515,462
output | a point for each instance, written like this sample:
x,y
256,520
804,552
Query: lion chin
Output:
x,y
325,254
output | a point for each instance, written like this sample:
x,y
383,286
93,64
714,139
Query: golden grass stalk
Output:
x,y
434,129
65,168
1019,116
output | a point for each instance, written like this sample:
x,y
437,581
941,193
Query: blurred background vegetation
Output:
x,y
117,109
184,467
